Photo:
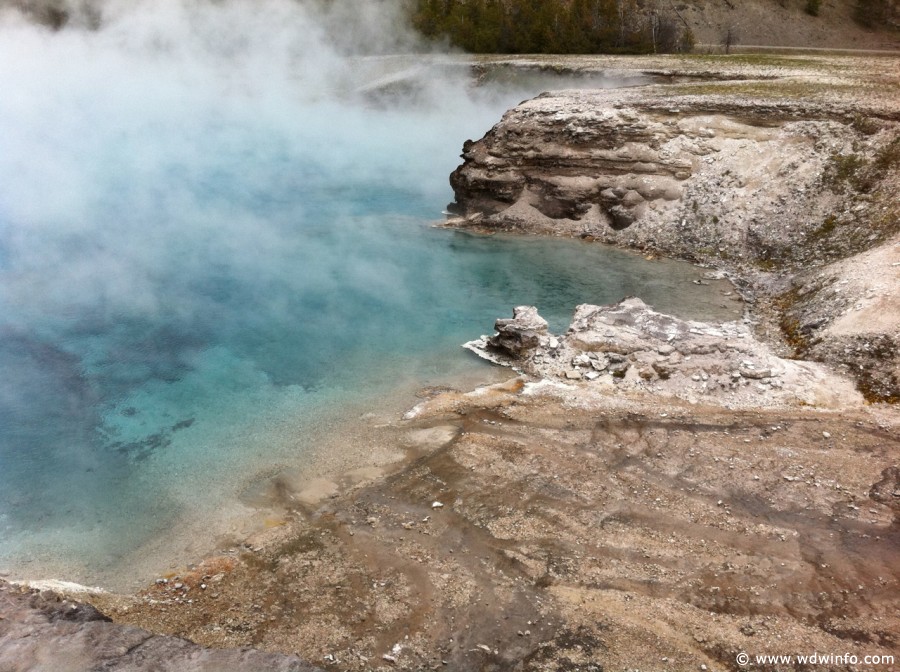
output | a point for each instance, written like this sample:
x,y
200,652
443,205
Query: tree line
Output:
x,y
553,26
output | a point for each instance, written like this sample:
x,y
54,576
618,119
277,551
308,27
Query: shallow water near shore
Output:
x,y
129,432
203,276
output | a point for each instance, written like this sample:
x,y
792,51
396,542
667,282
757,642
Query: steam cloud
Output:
x,y
187,193
112,138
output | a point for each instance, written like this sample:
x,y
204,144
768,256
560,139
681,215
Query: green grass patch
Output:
x,y
854,171
757,60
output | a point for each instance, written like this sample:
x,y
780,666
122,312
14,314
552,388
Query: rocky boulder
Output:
x,y
521,334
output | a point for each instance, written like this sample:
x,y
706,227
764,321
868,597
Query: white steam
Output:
x,y
112,140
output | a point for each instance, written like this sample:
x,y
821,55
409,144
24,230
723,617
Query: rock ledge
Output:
x,y
633,347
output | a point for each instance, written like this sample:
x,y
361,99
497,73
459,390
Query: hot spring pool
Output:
x,y
208,254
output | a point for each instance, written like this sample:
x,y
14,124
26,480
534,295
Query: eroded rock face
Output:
x,y
572,162
631,346
739,183
41,631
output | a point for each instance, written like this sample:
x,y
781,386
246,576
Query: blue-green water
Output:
x,y
200,263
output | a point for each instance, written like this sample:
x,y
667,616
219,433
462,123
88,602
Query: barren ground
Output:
x,y
577,532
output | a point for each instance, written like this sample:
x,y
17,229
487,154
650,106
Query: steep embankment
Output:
x,y
656,26
591,26
786,23
788,180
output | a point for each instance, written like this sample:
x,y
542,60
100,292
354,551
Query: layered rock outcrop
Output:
x,y
569,167
765,190
743,183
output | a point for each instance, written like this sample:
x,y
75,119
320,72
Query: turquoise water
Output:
x,y
200,263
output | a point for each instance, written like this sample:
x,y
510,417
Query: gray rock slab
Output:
x,y
39,631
